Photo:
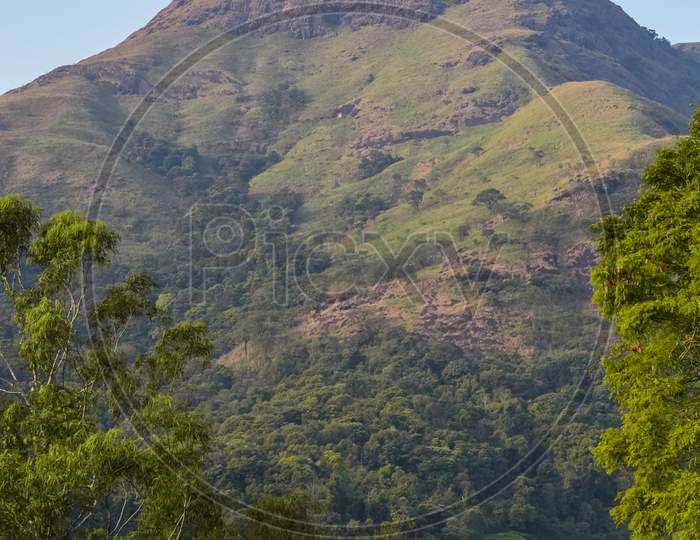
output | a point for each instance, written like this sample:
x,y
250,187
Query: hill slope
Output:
x,y
689,48
435,319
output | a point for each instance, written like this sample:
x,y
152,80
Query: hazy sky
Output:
x,y
675,19
39,35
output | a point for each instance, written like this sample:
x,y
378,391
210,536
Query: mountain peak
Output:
x,y
225,14
577,39
593,23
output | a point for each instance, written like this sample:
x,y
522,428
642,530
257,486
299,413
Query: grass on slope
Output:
x,y
527,156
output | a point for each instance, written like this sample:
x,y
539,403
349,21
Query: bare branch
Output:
x,y
57,362
82,521
178,526
121,514
13,392
15,381
120,334
132,516
117,525
9,367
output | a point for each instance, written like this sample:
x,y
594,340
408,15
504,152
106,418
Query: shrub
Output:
x,y
375,163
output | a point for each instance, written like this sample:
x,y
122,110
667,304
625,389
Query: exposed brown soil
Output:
x,y
428,308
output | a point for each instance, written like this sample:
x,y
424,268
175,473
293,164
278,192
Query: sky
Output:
x,y
39,35
676,20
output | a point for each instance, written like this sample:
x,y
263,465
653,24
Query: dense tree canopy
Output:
x,y
91,442
388,426
649,281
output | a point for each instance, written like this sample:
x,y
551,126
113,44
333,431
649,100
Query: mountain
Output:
x,y
432,185
690,49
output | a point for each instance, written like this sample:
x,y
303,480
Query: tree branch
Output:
x,y
15,381
117,525
132,516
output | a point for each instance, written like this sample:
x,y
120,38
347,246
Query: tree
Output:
x,y
281,518
91,442
490,198
282,100
360,209
463,231
375,163
521,512
649,281
414,198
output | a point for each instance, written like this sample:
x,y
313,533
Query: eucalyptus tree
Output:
x,y
92,444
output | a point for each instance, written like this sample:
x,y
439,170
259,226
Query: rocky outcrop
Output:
x,y
431,313
543,263
580,195
487,108
379,138
201,83
117,78
580,259
466,320
348,109
123,79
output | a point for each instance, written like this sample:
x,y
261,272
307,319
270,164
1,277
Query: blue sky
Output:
x,y
675,19
39,35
